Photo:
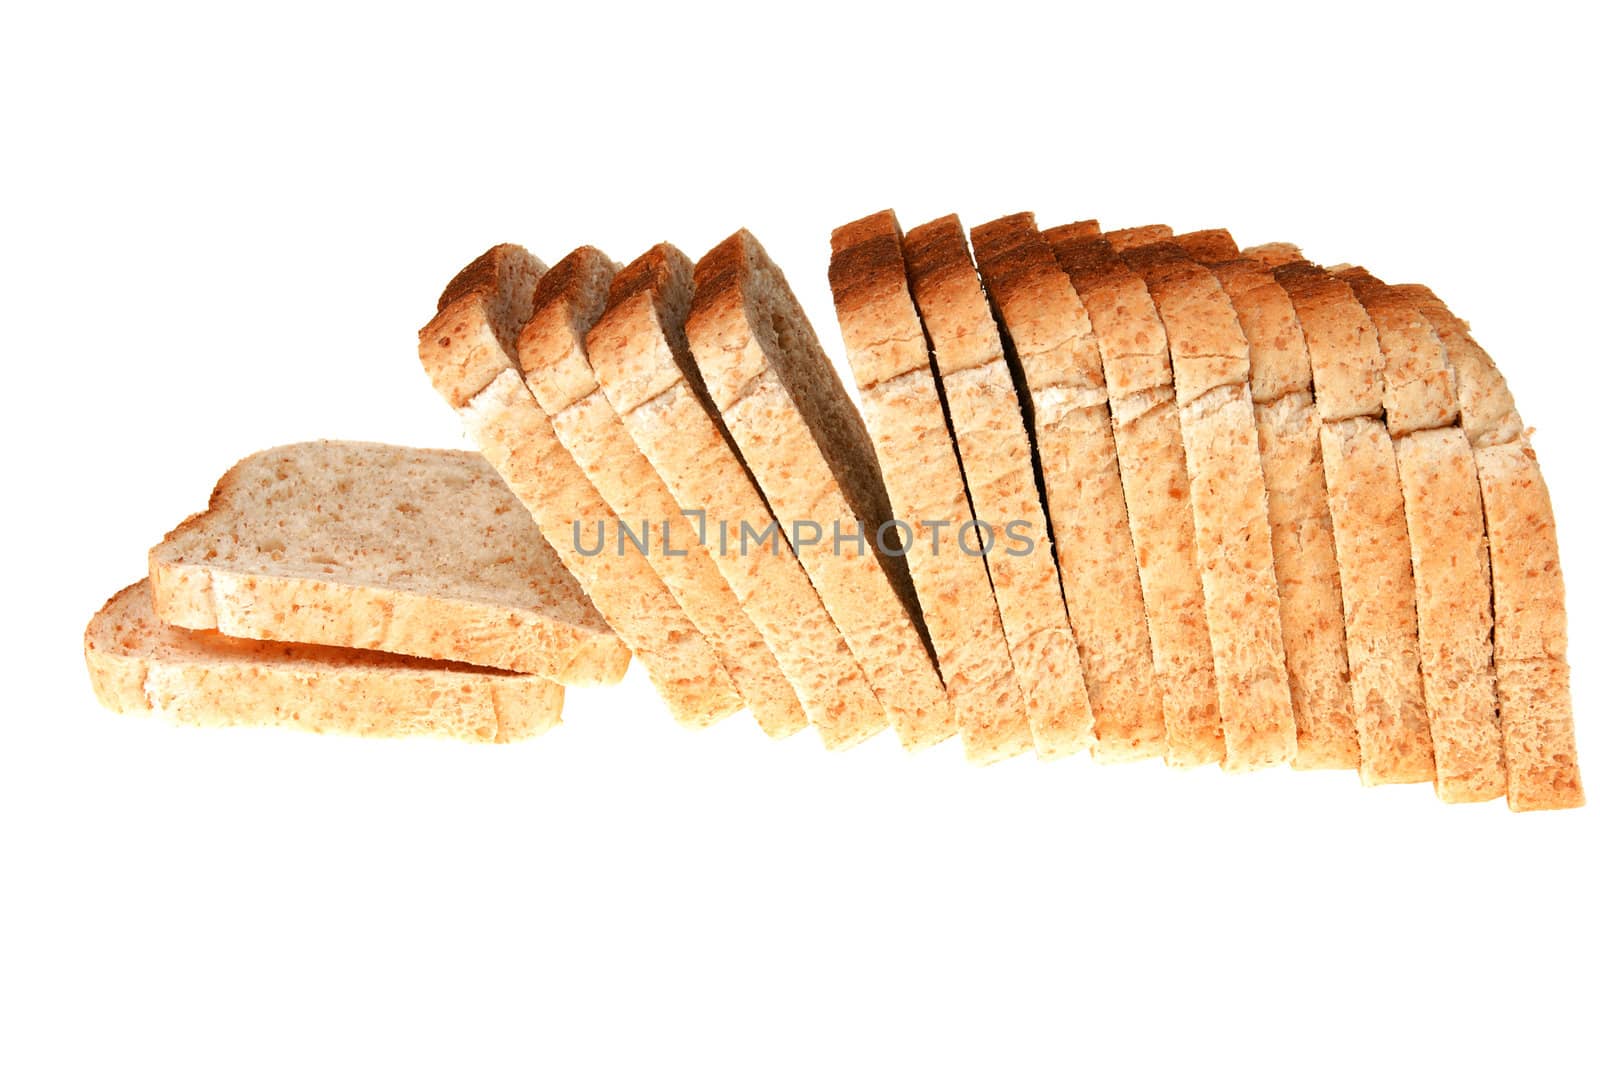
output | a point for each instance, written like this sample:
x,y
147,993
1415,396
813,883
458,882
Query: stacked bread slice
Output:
x,y
1132,492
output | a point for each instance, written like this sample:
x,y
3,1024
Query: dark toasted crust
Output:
x,y
1208,246
937,251
717,275
1073,231
1011,251
1088,261
571,283
482,276
867,263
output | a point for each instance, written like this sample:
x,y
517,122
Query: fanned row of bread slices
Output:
x,y
1130,492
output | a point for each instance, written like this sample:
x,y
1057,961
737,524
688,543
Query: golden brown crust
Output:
x,y
1208,246
1135,236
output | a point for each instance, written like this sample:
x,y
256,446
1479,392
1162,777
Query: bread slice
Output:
x,y
640,356
468,351
1233,540
1444,516
555,364
1367,506
1288,436
140,665
405,550
1530,615
1208,246
991,437
1063,386
786,409
1155,480
922,474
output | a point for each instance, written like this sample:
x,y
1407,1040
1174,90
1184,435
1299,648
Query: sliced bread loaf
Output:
x,y
640,356
1449,560
468,351
1233,540
797,429
901,406
1367,507
1155,480
1530,614
997,459
140,665
1063,394
555,364
1288,435
405,550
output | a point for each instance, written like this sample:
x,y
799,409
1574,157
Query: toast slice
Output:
x,y
1444,515
1233,540
788,412
1155,480
1063,393
905,416
640,356
997,458
1288,435
412,551
468,351
1367,507
140,665
1530,614
555,364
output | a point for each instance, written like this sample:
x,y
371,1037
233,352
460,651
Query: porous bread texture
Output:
x,y
900,404
555,363
1155,481
640,356
1530,615
467,350
1371,542
405,550
1449,558
801,436
140,665
1288,434
996,456
1233,539
1062,388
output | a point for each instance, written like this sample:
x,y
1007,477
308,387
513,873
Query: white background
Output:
x,y
221,232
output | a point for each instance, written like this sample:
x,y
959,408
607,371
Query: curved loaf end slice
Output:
x,y
785,407
468,350
1530,613
142,666
900,404
555,363
412,551
641,357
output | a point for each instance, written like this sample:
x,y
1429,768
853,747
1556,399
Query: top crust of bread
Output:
x,y
1208,246
1341,339
480,313
411,551
1418,392
566,303
1135,236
